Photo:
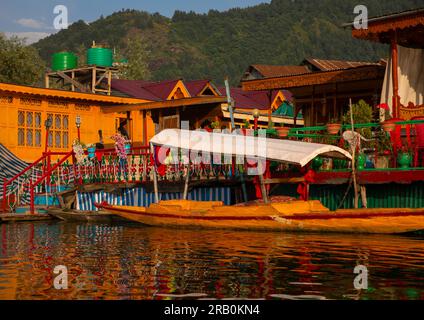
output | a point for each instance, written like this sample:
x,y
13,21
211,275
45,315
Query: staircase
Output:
x,y
26,188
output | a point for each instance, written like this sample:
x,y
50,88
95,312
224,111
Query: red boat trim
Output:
x,y
321,216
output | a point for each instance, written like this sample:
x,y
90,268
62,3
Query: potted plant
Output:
x,y
361,161
333,126
215,125
91,149
283,131
317,163
388,126
404,159
384,150
246,126
128,147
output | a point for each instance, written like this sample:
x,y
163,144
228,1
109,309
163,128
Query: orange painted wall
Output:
x,y
93,119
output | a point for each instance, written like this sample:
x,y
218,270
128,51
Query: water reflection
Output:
x,y
133,262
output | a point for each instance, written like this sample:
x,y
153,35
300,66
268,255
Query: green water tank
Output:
x,y
102,57
64,61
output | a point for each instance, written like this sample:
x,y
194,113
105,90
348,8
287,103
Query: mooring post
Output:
x,y
155,177
187,179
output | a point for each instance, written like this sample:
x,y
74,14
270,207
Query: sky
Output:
x,y
33,19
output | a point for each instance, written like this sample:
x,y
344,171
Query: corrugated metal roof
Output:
x,y
389,16
271,71
134,88
195,87
334,65
153,91
7,87
161,89
254,99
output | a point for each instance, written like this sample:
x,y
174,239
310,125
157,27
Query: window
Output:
x,y
59,132
29,128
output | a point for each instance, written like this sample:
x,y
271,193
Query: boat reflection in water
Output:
x,y
132,262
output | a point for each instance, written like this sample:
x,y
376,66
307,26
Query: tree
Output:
x,y
81,53
19,63
138,57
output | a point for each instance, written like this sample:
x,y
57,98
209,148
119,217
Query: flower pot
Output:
x,y
333,128
317,163
382,162
404,160
388,126
327,164
127,148
340,164
283,132
361,161
91,152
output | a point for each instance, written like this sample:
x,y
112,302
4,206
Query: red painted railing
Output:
x,y
6,183
45,175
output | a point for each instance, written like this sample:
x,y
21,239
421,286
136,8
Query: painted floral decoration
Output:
x,y
79,151
120,143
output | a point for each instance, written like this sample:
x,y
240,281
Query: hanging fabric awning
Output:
x,y
294,152
410,78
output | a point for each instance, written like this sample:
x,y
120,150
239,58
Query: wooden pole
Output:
x,y
262,181
233,126
155,177
270,107
355,186
230,104
395,78
73,78
109,82
93,80
145,127
187,180
129,131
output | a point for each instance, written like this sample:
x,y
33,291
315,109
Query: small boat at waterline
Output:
x,y
81,216
280,215
298,216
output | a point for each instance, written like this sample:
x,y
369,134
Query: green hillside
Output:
x,y
217,44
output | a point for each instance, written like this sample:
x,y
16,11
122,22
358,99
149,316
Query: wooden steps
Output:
x,y
13,217
23,214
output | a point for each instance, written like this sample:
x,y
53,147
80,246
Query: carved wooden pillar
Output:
x,y
270,106
335,113
395,77
145,142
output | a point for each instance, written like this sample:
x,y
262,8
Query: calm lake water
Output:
x,y
126,261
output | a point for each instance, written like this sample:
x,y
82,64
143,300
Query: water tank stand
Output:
x,y
88,79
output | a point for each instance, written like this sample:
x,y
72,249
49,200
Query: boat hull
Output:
x,y
75,216
306,216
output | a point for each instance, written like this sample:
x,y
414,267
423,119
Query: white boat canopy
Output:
x,y
294,152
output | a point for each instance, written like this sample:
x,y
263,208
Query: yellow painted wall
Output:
x,y
92,117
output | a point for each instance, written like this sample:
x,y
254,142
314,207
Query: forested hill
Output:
x,y
218,44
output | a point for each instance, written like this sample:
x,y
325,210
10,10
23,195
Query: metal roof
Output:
x,y
271,71
333,65
64,94
388,16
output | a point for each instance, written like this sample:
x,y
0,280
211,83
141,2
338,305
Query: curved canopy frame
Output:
x,y
294,152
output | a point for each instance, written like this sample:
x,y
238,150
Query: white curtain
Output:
x,y
411,78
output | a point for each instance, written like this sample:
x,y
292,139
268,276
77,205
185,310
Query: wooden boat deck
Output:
x,y
306,216
13,217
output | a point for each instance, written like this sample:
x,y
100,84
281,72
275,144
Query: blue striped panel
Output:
x,y
139,197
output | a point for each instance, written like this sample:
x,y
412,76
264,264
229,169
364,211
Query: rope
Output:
x,y
347,191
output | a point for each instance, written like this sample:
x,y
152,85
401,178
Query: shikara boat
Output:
x,y
307,216
290,215
81,216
